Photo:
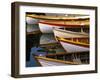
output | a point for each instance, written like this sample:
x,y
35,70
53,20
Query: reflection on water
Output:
x,y
41,45
47,38
32,27
31,41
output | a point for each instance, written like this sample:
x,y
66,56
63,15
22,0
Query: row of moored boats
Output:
x,y
71,32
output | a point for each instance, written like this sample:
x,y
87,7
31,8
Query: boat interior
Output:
x,y
69,58
77,41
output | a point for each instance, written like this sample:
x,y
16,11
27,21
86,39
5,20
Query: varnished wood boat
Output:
x,y
47,26
71,32
73,41
74,44
53,62
71,23
60,59
79,57
57,17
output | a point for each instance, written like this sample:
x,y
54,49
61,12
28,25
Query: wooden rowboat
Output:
x,y
57,17
72,41
71,33
74,44
53,62
61,59
71,23
47,26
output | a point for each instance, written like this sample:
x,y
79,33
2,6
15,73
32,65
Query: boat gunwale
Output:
x,y
56,18
71,32
65,25
73,42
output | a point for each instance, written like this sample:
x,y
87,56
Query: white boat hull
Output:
x,y
73,48
69,34
50,63
46,28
